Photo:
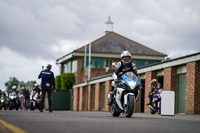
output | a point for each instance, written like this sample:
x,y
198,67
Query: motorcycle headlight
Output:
x,y
2,101
132,84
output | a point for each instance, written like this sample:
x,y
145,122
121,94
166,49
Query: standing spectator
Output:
x,y
22,98
27,97
47,84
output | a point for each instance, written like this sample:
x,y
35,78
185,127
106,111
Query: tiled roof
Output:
x,y
114,43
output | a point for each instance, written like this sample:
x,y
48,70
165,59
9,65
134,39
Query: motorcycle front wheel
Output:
x,y
32,107
130,106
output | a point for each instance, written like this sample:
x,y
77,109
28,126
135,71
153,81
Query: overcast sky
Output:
x,y
35,33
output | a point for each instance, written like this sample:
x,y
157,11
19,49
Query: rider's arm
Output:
x,y
118,69
134,69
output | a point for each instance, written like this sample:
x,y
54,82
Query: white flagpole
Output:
x,y
89,62
85,56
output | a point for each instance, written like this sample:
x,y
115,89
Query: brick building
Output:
x,y
105,51
181,75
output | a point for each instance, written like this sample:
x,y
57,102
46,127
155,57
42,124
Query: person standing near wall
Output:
x,y
47,85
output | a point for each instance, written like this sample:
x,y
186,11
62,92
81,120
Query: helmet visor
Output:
x,y
126,58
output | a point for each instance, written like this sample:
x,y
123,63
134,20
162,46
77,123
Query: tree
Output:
x,y
10,83
67,81
58,82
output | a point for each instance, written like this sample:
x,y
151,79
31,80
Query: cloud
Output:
x,y
27,31
24,69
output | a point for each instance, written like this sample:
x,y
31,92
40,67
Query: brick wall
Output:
x,y
97,90
81,98
148,77
79,73
75,99
107,89
197,88
192,104
101,96
95,72
89,98
137,107
190,88
170,81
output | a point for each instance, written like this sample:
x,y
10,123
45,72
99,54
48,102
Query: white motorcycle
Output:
x,y
34,100
126,93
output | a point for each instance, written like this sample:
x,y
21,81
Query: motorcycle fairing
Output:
x,y
118,96
131,82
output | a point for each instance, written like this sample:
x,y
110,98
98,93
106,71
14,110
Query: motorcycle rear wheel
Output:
x,y
130,106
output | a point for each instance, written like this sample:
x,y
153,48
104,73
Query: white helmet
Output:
x,y
14,87
126,61
35,85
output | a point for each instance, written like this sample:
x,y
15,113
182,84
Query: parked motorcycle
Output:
x,y
156,102
35,101
3,102
125,95
14,102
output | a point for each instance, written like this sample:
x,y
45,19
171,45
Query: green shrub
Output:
x,y
67,81
58,82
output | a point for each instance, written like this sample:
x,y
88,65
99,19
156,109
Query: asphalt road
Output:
x,y
99,122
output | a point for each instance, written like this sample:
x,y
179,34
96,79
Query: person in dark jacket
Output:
x,y
26,95
47,85
123,66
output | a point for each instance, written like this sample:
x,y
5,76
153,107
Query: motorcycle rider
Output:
x,y
36,93
123,66
154,87
15,91
37,88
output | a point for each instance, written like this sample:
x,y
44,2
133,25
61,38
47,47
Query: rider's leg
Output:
x,y
150,99
111,93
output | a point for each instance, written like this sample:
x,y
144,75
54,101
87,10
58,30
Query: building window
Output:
x,y
67,67
98,62
141,63
74,66
70,66
108,63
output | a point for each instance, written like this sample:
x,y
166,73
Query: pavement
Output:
x,y
10,121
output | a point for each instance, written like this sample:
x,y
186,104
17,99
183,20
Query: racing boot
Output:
x,y
110,100
149,103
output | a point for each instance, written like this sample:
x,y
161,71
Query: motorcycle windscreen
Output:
x,y
130,75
